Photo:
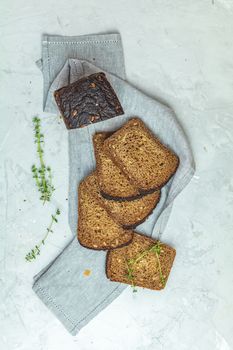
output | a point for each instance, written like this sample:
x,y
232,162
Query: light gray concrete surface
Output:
x,y
181,52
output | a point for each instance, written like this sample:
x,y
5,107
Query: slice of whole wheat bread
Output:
x,y
96,229
112,182
129,214
147,163
139,264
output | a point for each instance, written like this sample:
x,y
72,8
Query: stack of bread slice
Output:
x,y
132,166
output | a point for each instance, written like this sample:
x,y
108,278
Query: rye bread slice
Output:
x,y
129,214
112,182
147,163
141,265
96,229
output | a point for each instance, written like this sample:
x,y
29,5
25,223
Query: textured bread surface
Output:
x,y
129,214
96,229
113,183
88,100
146,272
147,163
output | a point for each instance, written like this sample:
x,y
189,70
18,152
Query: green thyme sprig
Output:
x,y
130,263
42,174
36,250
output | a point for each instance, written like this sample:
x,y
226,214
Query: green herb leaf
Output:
x,y
42,175
36,250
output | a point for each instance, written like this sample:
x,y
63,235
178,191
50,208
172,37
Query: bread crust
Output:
x,y
83,187
108,190
107,248
108,149
145,284
121,211
124,199
131,227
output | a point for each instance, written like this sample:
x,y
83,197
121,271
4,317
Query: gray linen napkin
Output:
x,y
74,299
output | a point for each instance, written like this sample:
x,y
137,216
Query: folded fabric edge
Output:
x,y
46,268
81,39
39,64
73,327
166,212
56,310
183,182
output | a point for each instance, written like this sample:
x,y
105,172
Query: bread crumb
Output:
x,y
87,272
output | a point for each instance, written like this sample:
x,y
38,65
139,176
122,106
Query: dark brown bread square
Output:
x,y
96,229
150,271
129,214
147,163
112,182
88,100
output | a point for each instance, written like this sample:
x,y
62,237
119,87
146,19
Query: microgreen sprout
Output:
x,y
130,263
